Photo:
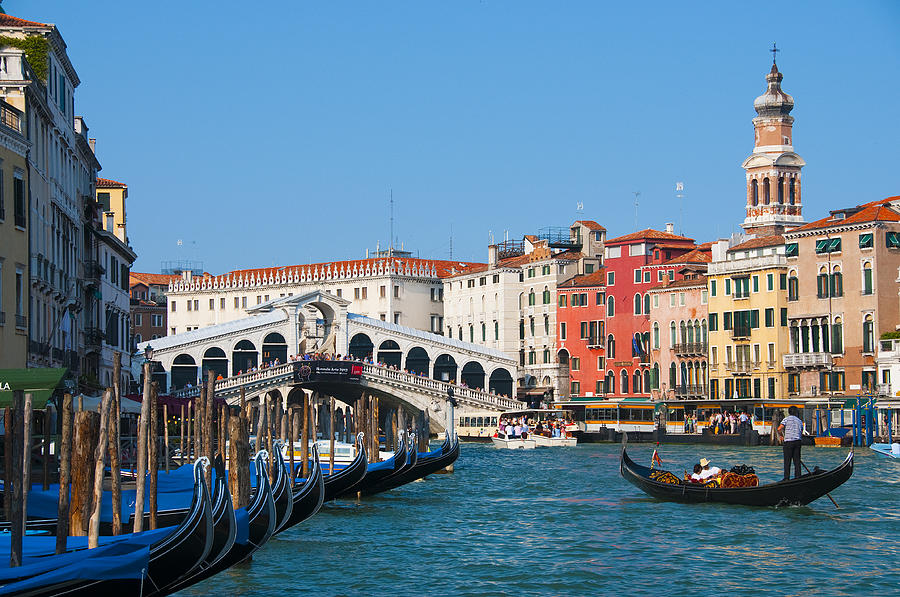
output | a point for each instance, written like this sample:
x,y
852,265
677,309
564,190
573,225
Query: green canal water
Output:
x,y
564,522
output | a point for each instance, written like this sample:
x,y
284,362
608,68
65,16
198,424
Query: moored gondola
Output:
x,y
665,485
346,479
424,465
378,471
395,478
307,496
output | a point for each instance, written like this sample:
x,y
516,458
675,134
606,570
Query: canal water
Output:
x,y
564,522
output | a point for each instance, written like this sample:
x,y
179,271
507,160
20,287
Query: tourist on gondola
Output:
x,y
708,472
697,471
792,427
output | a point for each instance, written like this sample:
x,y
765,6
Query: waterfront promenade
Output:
x,y
554,522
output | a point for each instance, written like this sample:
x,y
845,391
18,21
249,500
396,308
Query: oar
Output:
x,y
828,494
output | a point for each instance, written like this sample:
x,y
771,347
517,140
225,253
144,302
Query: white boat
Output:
x,y
541,424
500,440
892,450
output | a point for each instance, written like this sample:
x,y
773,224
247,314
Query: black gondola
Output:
x,y
396,478
800,491
282,488
378,471
307,496
346,479
424,466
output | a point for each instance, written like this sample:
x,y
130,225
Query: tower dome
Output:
x,y
774,102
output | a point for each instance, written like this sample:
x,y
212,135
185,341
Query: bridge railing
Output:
x,y
285,370
462,393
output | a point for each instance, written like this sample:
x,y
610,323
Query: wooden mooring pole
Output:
x,y
15,477
304,442
331,437
65,456
141,471
99,459
87,431
154,452
115,464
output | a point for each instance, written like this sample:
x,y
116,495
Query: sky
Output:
x,y
274,133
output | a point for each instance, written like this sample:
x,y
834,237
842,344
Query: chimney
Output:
x,y
109,222
93,144
670,227
492,256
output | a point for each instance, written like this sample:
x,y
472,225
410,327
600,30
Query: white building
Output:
x,y
401,290
510,303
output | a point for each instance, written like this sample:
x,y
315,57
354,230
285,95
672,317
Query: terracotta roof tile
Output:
x,y
698,255
443,268
597,278
590,224
875,211
757,243
151,279
573,255
648,234
11,21
106,183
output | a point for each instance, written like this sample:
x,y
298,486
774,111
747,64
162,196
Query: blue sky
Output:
x,y
272,133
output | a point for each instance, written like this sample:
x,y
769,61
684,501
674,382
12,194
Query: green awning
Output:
x,y
39,382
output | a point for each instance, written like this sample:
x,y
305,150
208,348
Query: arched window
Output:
x,y
683,327
672,373
647,386
673,339
496,330
766,191
792,190
781,190
868,334
624,381
684,375
471,333
837,281
460,333
837,336
656,335
531,325
793,286
822,283
690,332
546,325
646,304
610,306
754,192
654,379
520,300
704,336
610,383
483,332
531,298
636,382
637,304
867,286
610,347
546,295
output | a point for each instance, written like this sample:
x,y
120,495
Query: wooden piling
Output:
x,y
154,452
115,464
209,407
99,458
87,431
45,450
64,455
141,472
198,422
304,442
8,425
15,477
331,439
166,432
181,437
26,453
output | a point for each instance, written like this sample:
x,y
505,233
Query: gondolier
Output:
x,y
792,427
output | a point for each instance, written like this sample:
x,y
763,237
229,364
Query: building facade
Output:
x,y
14,267
581,334
148,305
842,285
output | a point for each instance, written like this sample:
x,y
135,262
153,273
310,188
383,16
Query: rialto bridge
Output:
x,y
405,367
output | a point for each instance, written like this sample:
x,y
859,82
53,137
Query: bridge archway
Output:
x,y
501,382
445,368
216,360
417,361
473,375
389,354
361,346
274,347
184,371
243,357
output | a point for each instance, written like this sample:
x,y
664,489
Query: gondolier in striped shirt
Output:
x,y
792,427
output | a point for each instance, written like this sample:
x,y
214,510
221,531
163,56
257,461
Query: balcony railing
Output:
x,y
685,391
11,117
691,348
808,359
740,332
93,337
595,342
884,389
93,270
743,367
21,322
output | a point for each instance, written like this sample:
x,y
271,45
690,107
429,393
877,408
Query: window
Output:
x,y
770,318
531,298
770,282
637,276
222,303
867,278
545,270
546,325
563,299
562,330
575,364
704,296
610,306
836,282
196,304
727,286
866,240
714,322
673,337
243,302
19,200
681,297
600,299
396,292
472,332
156,321
646,304
784,317
584,330
546,296
237,302
610,278
671,299
610,347
496,330
637,304
521,330
174,305
656,301
646,277
483,332
530,272
828,245
582,299
712,288
659,275
782,281
837,336
656,335
791,250
868,334
822,284
531,325
741,287
892,240
754,319
547,356
793,287
212,304
382,290
726,320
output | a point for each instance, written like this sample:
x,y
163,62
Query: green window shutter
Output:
x,y
834,245
714,322
754,318
892,240
865,240
784,317
791,249
712,288
726,323
867,281
782,281
770,318
727,286
755,283
822,245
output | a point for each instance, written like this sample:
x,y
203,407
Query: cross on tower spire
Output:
x,y
774,50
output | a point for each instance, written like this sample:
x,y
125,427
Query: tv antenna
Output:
x,y
391,242
679,193
637,194
579,208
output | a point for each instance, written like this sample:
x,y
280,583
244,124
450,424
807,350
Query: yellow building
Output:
x,y
14,272
111,196
748,327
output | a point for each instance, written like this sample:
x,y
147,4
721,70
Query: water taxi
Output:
x,y
512,442
548,427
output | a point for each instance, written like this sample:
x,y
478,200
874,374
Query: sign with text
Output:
x,y
334,371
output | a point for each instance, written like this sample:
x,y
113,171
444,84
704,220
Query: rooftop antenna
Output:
x,y
679,193
636,195
491,235
391,242
451,242
579,208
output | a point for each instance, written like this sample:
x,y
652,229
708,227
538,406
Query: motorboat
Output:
x,y
513,442
892,450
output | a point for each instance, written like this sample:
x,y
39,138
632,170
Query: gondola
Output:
x,y
801,491
282,488
126,567
346,479
307,496
396,478
378,471
425,464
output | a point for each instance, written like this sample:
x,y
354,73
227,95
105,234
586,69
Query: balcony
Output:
x,y
738,332
691,348
11,117
743,367
93,270
691,391
93,338
884,389
595,342
807,359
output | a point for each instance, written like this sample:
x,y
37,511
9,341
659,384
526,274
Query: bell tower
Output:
x,y
773,169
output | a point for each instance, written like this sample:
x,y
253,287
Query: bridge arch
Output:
x,y
501,382
274,346
389,353
361,346
216,360
445,368
243,356
472,375
417,360
184,371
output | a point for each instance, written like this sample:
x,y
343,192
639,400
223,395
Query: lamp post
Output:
x,y
148,359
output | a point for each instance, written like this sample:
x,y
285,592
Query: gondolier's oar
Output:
x,y
828,494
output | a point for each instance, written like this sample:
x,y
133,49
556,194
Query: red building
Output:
x,y
635,263
580,333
